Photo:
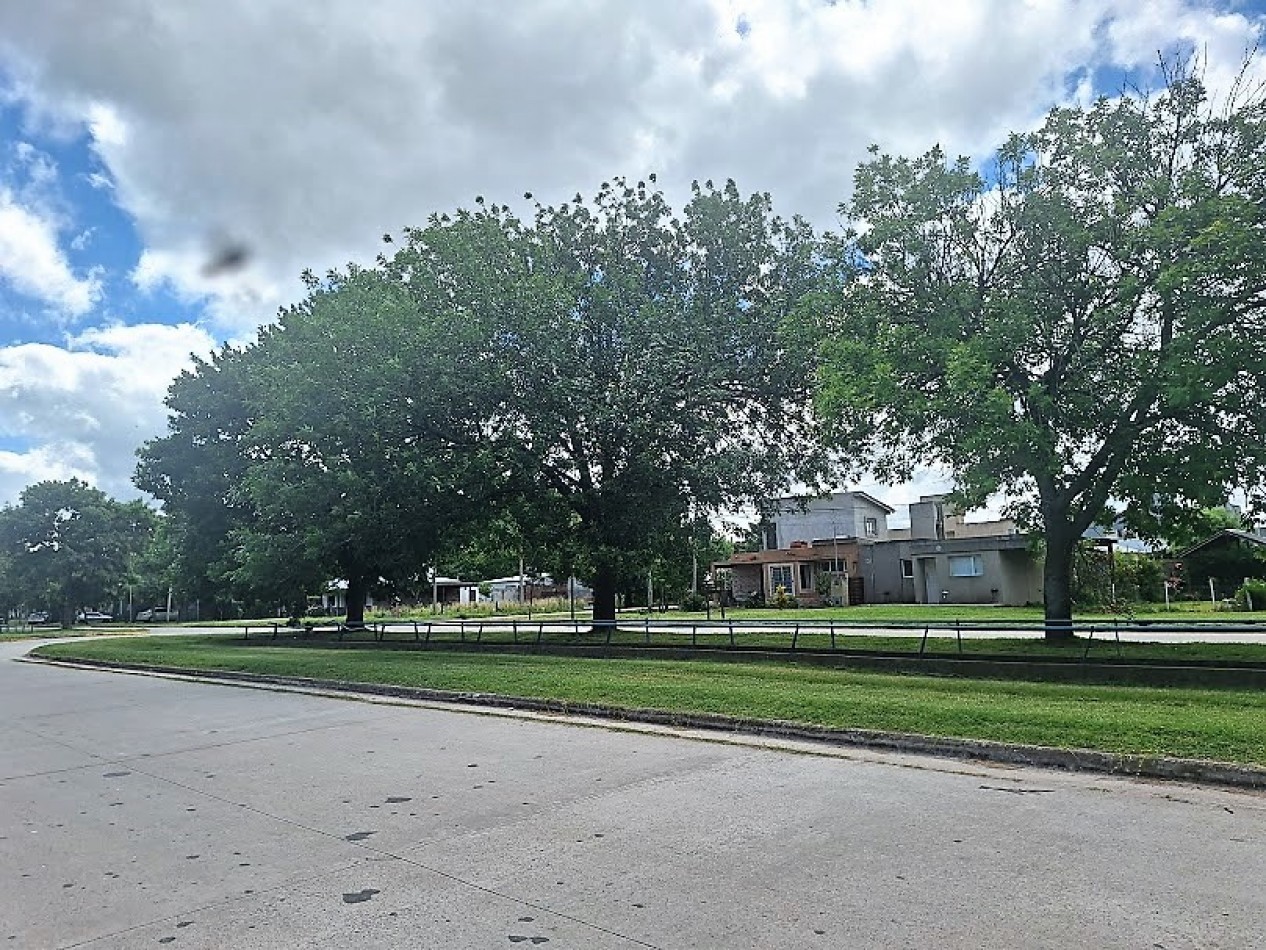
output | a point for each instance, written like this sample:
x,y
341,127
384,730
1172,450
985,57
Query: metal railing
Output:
x,y
937,638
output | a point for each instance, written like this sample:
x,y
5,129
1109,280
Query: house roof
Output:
x,y
1222,535
805,499
998,542
787,555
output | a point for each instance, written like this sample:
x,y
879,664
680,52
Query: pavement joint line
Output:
x,y
342,839
226,902
150,756
1198,771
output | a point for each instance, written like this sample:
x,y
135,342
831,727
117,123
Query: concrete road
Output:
x,y
138,812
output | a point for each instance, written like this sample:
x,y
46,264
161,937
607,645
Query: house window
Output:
x,y
833,566
780,576
806,577
907,569
872,527
966,565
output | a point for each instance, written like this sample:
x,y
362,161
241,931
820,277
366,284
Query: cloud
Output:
x,y
84,408
320,126
33,264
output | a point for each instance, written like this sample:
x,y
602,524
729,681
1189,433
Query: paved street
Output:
x,y
140,812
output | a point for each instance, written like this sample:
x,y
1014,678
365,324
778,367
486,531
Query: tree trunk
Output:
x,y
1057,584
603,598
357,589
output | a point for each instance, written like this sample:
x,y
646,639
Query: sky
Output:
x,y
139,138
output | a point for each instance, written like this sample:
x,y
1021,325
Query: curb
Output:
x,y
1199,771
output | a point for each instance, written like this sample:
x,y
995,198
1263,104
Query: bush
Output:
x,y
1139,578
1251,595
781,599
693,602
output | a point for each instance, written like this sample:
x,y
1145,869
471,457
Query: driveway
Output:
x,y
137,811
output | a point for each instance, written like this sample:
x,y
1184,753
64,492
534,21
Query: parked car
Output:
x,y
37,616
92,616
157,615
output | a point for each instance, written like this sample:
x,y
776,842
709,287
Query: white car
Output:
x,y
39,616
157,614
92,616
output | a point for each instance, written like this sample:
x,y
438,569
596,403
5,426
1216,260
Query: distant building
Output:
x,y
531,587
839,549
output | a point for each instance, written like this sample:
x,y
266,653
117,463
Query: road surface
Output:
x,y
137,811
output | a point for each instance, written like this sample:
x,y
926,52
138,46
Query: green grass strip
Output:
x,y
1225,725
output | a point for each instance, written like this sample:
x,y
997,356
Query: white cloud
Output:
x,y
319,127
84,408
32,262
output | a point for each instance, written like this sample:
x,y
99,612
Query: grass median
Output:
x,y
1225,725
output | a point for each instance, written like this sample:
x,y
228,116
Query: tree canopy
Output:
x,y
1078,323
587,384
67,545
642,377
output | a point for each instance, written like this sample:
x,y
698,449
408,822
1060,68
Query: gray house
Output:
x,y
850,514
944,559
840,549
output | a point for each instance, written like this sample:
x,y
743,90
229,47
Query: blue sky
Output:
x,y
135,139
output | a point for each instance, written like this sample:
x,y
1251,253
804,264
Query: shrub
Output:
x,y
1251,595
693,602
781,599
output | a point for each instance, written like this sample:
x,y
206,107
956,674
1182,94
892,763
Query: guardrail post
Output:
x,y
540,632
647,622
694,634
731,633
923,644
1089,640
479,634
610,630
795,635
514,631
831,627
1116,629
428,631
958,632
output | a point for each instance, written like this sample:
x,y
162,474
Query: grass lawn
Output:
x,y
1212,724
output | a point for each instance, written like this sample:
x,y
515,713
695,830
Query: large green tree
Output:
x,y
347,448
1076,322
195,470
641,377
67,545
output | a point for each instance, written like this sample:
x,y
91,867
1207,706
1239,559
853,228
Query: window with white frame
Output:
x,y
871,527
806,577
966,565
780,576
907,568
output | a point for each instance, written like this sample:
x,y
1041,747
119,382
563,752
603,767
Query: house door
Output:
x,y
931,583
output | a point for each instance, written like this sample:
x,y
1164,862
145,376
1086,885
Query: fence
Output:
x,y
924,638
